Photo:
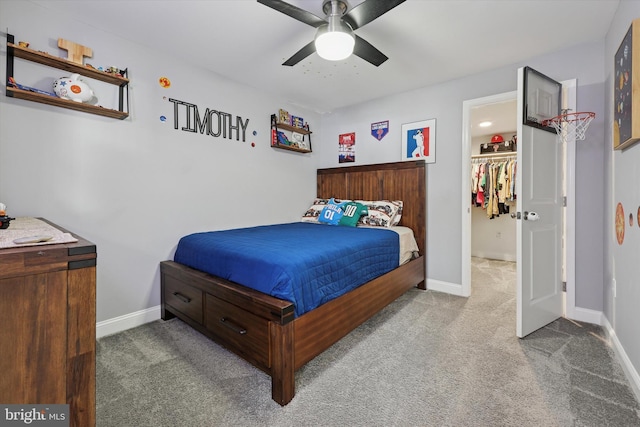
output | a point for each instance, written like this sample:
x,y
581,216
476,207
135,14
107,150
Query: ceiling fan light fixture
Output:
x,y
335,41
335,46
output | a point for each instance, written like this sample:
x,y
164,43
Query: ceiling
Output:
x,y
427,41
502,116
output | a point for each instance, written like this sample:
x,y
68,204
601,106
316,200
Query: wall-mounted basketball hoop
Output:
x,y
570,125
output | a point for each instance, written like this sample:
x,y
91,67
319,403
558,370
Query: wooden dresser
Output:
x,y
48,330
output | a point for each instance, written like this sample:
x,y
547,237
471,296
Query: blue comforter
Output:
x,y
307,264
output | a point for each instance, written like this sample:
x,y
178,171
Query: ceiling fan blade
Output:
x,y
294,12
301,54
366,51
368,10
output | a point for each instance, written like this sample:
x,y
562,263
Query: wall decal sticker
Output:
x,y
164,82
620,223
217,124
380,129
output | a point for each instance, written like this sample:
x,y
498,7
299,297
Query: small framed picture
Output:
x,y
419,141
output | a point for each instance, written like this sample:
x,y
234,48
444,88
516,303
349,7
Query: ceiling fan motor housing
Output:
x,y
327,7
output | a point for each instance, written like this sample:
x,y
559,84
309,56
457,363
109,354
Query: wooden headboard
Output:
x,y
406,181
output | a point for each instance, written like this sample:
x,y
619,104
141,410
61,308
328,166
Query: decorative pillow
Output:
x,y
312,214
398,216
351,213
332,212
381,213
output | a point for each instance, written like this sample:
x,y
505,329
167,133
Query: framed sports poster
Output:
x,y
419,141
346,147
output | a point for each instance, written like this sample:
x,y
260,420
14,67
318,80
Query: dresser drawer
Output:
x,y
243,332
184,298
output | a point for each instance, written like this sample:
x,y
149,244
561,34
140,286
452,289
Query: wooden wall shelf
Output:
x,y
276,126
290,148
63,64
293,128
65,103
16,51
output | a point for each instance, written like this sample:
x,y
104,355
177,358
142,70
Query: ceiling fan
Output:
x,y
335,39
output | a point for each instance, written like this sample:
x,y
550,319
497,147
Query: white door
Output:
x,y
539,204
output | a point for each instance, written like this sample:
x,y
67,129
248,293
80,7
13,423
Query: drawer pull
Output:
x,y
182,298
235,328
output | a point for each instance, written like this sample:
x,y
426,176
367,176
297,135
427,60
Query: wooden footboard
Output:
x,y
261,329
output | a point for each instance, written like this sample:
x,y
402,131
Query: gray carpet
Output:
x,y
429,359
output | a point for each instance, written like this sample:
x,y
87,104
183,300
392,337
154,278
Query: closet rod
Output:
x,y
494,156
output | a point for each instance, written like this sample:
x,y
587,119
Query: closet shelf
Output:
x,y
494,155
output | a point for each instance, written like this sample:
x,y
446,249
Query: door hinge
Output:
x,y
564,201
564,286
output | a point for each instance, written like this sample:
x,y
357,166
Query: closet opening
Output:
x,y
491,107
493,166
488,235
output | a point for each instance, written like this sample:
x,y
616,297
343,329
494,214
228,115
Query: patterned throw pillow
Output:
x,y
396,219
381,213
312,214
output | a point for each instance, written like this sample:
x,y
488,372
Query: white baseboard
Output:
x,y
127,321
628,368
500,256
586,315
446,287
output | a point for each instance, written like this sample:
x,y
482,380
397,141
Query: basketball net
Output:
x,y
571,125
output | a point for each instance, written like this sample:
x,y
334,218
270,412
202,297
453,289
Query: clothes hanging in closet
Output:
x,y
493,185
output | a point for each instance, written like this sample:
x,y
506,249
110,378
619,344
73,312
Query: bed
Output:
x,y
266,330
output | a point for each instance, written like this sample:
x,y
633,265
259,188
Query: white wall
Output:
x,y
621,301
493,238
134,187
